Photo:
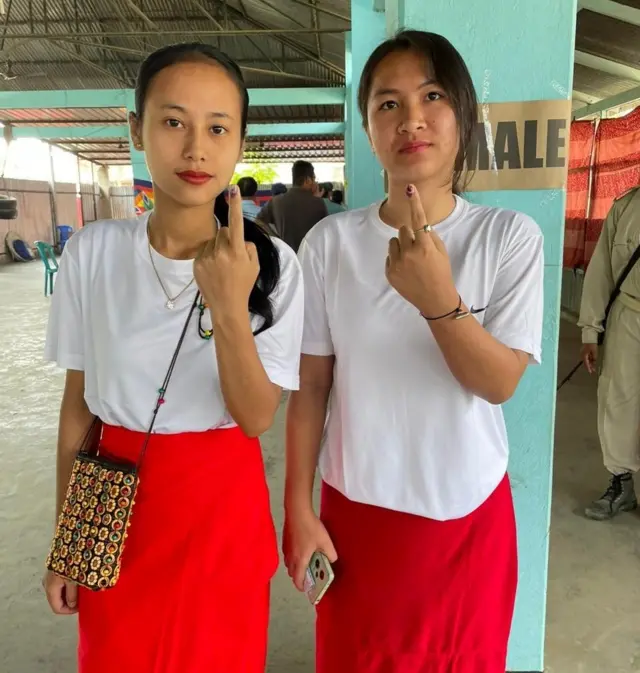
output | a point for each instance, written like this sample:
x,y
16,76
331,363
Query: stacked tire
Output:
x,y
8,207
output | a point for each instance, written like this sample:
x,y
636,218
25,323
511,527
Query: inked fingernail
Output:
x,y
234,190
410,190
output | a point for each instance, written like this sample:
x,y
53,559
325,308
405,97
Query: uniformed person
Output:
x,y
619,366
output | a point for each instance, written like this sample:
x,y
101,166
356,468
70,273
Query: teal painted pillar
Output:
x,y
142,186
365,182
348,111
518,50
394,15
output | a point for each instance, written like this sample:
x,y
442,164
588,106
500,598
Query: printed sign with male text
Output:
x,y
521,145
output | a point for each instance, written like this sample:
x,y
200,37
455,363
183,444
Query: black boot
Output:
x,y
619,497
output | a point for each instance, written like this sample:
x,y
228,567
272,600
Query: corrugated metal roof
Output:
x,y
68,48
599,84
70,44
60,116
273,150
609,38
106,116
105,145
264,150
300,113
98,150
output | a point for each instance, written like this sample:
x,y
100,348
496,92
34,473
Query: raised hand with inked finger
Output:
x,y
227,268
418,266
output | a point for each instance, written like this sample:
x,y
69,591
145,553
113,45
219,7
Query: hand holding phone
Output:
x,y
303,534
318,577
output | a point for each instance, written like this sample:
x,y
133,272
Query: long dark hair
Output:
x,y
268,257
451,73
269,275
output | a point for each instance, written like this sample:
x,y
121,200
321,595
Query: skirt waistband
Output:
x,y
216,435
228,445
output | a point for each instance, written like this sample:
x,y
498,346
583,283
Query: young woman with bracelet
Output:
x,y
422,313
193,593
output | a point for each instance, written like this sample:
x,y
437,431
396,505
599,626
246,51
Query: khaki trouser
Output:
x,y
619,389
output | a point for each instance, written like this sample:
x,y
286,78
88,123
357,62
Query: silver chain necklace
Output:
x,y
171,301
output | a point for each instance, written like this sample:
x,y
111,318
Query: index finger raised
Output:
x,y
418,218
236,218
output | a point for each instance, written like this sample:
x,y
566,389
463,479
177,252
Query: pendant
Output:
x,y
170,304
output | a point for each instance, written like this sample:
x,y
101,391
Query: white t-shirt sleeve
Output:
x,y
515,311
316,339
279,346
64,342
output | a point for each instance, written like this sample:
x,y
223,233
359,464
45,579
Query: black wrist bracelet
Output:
x,y
457,312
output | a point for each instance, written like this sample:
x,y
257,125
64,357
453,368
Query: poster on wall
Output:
x,y
521,145
142,195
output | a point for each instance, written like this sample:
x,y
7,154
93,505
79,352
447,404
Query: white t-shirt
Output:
x,y
108,318
402,433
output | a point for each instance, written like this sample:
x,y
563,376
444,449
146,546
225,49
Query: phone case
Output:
x,y
319,577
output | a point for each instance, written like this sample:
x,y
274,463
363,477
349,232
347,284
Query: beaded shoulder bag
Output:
x,y
92,527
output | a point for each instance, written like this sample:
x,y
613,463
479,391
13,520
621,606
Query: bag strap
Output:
x,y
163,388
88,448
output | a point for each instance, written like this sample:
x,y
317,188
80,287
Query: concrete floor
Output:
x,y
594,583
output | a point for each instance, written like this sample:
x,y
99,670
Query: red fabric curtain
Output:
x,y
580,152
616,170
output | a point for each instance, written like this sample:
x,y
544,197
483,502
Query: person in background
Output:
x,y
278,188
619,380
248,189
327,196
338,197
193,593
292,215
326,189
422,313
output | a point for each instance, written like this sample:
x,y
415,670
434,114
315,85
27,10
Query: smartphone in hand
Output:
x,y
318,577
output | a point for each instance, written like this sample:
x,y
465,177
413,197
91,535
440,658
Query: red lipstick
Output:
x,y
413,147
195,177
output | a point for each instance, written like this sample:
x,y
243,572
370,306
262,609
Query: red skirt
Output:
x,y
413,595
193,594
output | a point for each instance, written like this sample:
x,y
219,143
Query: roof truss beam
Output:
x,y
227,32
39,64
607,66
123,98
285,41
82,22
583,97
613,10
91,134
608,103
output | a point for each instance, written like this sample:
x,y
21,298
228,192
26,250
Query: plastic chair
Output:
x,y
48,257
64,234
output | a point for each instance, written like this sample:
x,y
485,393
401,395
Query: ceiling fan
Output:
x,y
8,74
